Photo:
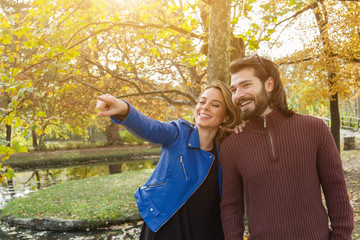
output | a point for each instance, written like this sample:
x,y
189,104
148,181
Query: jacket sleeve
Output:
x,y
334,186
232,200
146,128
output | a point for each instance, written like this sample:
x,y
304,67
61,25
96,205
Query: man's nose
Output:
x,y
238,94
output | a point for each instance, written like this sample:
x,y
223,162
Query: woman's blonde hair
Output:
x,y
231,110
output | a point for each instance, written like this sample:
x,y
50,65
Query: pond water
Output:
x,y
29,181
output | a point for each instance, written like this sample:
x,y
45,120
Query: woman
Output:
x,y
181,198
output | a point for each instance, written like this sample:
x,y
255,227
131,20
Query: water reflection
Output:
x,y
29,181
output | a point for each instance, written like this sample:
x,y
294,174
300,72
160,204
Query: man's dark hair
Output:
x,y
263,69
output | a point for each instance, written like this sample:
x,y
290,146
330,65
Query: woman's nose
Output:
x,y
205,107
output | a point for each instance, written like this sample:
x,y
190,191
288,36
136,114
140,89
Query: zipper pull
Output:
x,y
264,121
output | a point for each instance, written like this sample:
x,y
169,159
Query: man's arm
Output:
x,y
232,202
334,187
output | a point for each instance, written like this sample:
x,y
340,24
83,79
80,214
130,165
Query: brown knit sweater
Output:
x,y
280,165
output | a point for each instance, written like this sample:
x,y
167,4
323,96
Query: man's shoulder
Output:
x,y
308,119
235,138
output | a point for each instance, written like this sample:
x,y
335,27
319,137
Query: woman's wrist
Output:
x,y
125,111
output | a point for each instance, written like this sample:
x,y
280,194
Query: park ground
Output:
x,y
350,159
351,165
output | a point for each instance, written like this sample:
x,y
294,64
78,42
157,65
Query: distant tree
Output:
x,y
330,60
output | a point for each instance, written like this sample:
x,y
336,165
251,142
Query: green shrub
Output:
x,y
129,138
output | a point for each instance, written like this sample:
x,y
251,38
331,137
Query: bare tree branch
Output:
x,y
310,6
349,59
191,101
140,92
87,84
130,24
112,73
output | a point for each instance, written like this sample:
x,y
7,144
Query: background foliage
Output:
x,y
58,55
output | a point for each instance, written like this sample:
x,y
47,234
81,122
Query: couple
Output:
x,y
280,164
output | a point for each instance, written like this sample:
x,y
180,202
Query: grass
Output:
x,y
109,198
79,156
105,198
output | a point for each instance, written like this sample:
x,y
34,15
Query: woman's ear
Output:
x,y
226,118
269,85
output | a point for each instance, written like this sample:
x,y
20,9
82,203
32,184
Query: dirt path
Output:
x,y
351,165
352,176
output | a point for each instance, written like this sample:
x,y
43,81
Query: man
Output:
x,y
279,164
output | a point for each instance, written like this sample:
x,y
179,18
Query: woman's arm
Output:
x,y
135,122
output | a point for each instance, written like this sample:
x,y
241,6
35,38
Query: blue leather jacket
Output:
x,y
182,168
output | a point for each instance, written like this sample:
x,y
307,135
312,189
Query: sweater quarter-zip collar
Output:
x,y
271,141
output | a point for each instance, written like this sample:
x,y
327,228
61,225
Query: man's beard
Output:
x,y
261,103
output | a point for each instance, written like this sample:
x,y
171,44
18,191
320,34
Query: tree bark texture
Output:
x,y
34,140
219,41
112,134
357,108
335,119
8,134
320,12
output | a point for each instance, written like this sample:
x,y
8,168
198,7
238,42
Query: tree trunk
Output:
x,y
9,181
34,140
219,41
357,107
335,119
112,134
8,134
38,182
322,22
42,145
237,48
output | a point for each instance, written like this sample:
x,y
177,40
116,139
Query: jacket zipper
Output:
x,y
183,166
152,185
189,196
270,136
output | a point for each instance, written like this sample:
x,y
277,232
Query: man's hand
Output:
x,y
237,129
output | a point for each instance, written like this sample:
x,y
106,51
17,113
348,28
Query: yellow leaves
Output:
x,y
5,36
172,8
40,114
6,151
182,40
189,84
155,52
126,88
68,86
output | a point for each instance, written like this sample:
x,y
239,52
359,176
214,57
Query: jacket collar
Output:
x,y
193,139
